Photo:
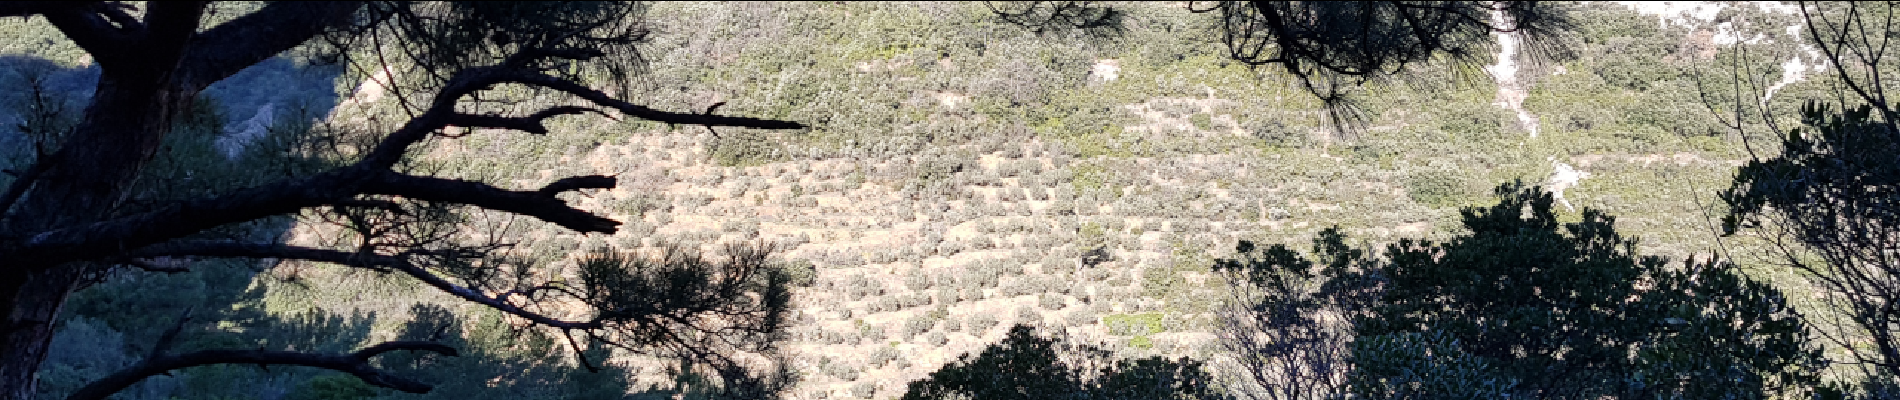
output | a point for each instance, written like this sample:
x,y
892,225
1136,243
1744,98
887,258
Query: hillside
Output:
x,y
960,168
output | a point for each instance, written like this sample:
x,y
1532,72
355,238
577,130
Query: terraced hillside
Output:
x,y
961,168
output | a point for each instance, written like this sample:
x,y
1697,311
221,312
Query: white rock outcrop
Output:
x,y
1563,176
1105,70
1511,91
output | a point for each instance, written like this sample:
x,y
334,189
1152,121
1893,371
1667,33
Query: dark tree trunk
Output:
x,y
87,178
70,223
34,302
116,149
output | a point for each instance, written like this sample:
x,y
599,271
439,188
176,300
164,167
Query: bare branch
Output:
x,y
253,250
82,23
635,110
530,124
150,266
1839,42
573,183
579,353
223,50
539,204
356,364
164,342
384,205
184,218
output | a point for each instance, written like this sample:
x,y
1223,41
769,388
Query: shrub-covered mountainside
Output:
x,y
958,172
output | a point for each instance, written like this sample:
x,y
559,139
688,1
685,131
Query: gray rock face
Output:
x,y
240,135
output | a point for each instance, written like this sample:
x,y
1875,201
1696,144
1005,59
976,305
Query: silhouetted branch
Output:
x,y
441,113
365,260
530,124
164,343
372,175
384,205
82,24
356,363
225,49
539,204
150,266
573,183
639,111
31,8
260,250
115,236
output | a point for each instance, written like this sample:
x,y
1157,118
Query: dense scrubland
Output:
x,y
957,171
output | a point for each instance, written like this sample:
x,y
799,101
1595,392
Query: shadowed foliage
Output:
x,y
1520,306
1028,366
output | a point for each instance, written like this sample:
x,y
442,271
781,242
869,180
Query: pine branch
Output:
x,y
356,363
540,204
373,175
364,260
225,49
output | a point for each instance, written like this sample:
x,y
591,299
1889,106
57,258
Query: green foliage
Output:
x,y
1521,305
937,166
801,273
1133,324
1526,298
333,387
1277,325
1476,122
745,148
1027,366
668,300
1202,121
1437,187
1112,141
1830,191
82,350
1425,365
1839,158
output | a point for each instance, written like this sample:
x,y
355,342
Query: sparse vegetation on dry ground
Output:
x,y
957,171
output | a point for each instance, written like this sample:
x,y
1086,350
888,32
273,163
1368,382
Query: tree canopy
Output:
x,y
1821,197
76,209
1523,305
1333,48
1028,366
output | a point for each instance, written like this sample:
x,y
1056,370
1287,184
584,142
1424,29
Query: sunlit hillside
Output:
x,y
959,169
